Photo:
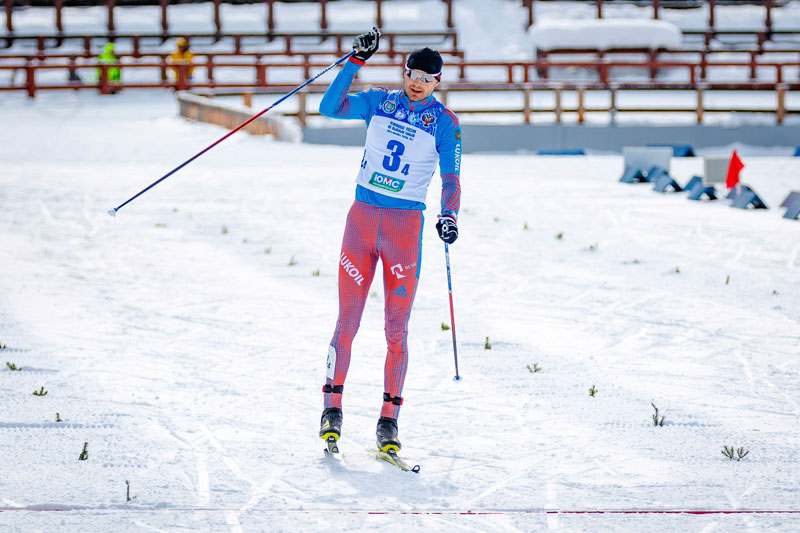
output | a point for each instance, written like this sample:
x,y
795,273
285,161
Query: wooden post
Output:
x,y
450,23
164,19
301,108
612,108
652,56
699,105
103,78
270,15
247,99
778,73
378,14
30,80
443,97
581,109
529,4
558,105
59,5
9,4
526,106
711,4
110,5
261,75
217,17
655,9
780,111
136,52
510,68
599,8
753,65
391,37
768,16
323,16
210,68
703,65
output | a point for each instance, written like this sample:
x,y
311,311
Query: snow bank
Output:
x,y
604,34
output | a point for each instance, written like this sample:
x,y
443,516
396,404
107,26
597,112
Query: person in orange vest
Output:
x,y
182,55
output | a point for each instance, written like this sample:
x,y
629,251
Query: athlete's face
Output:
x,y
419,89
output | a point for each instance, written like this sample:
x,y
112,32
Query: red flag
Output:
x,y
734,167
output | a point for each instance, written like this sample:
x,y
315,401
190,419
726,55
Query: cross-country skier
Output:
x,y
408,133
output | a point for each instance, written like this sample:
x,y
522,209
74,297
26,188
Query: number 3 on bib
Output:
x,y
391,162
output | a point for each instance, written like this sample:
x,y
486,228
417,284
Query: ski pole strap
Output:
x,y
335,389
394,399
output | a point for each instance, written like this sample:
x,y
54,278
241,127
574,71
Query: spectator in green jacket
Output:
x,y
108,58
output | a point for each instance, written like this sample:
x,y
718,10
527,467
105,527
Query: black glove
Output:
x,y
366,44
448,231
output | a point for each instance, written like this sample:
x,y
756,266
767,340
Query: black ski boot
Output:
x,y
330,427
387,434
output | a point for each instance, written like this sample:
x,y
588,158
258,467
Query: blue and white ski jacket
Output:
x,y
405,141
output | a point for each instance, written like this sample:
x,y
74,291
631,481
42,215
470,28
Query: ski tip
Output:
x,y
112,212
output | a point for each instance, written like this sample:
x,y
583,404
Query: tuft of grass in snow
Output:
x,y
487,346
160,225
534,369
224,230
268,250
774,292
656,421
559,235
128,491
496,219
244,240
12,366
727,279
677,270
2,346
592,391
58,418
525,226
445,327
85,453
315,273
40,392
734,453
292,261
593,247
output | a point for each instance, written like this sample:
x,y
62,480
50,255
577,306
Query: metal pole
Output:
x,y
452,315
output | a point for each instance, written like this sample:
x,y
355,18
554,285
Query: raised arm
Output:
x,y
336,103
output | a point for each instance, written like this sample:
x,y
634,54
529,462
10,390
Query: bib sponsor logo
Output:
x,y
351,269
458,157
427,119
400,115
389,106
386,182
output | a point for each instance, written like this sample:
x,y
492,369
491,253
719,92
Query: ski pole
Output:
x,y
113,212
452,315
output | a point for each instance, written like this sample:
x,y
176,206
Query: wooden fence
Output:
x,y
270,21
516,83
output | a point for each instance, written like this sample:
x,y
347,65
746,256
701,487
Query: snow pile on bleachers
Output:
x,y
602,34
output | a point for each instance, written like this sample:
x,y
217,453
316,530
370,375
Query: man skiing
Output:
x,y
408,132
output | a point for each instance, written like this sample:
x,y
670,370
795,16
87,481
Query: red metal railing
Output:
x,y
270,21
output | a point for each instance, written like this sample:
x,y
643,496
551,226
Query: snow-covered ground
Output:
x,y
185,340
